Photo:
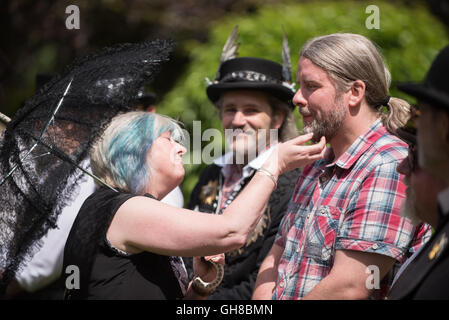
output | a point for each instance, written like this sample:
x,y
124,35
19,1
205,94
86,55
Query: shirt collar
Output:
x,y
254,164
360,145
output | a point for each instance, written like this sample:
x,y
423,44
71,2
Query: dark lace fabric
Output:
x,y
108,273
96,87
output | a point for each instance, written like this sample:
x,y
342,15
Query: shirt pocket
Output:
x,y
321,235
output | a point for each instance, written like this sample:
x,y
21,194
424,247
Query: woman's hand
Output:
x,y
293,154
206,271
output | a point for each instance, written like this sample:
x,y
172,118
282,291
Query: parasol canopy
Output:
x,y
51,135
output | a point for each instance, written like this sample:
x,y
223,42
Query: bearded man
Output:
x,y
343,233
253,100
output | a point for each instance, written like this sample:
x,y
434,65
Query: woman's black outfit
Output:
x,y
108,273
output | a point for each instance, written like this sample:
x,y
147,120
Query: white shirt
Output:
x,y
174,198
46,265
254,164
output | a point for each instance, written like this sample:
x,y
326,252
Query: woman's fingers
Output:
x,y
313,149
316,148
304,155
320,145
218,258
302,139
293,154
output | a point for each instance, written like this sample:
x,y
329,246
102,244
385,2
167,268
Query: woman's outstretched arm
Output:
x,y
144,224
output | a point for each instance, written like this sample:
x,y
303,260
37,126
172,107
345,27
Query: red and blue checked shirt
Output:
x,y
352,203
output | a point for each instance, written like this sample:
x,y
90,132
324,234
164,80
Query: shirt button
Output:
x,y
375,246
281,285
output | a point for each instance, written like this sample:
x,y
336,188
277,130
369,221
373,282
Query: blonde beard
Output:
x,y
329,124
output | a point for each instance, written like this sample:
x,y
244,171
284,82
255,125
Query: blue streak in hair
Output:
x,y
128,150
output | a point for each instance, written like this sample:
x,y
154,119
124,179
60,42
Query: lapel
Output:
x,y
422,265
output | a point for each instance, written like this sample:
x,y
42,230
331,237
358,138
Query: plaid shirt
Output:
x,y
353,204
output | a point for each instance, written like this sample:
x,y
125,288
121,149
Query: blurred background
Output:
x,y
35,40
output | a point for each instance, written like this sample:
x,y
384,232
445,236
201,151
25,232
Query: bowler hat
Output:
x,y
252,74
435,88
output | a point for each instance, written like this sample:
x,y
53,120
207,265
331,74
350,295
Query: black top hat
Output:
x,y
251,73
435,89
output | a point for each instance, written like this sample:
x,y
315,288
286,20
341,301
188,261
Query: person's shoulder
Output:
x,y
385,140
105,197
105,193
388,148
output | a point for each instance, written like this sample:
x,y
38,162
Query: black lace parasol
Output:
x,y
52,133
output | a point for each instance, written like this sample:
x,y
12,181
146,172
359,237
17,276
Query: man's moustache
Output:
x,y
304,112
246,132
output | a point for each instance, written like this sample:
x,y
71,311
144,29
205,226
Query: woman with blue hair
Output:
x,y
126,244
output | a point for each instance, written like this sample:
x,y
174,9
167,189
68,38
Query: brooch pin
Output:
x,y
209,192
438,247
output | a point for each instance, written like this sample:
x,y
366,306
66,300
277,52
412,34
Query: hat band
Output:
x,y
247,75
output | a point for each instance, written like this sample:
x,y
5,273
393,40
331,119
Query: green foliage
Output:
x,y
409,38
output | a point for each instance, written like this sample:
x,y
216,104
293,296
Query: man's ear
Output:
x,y
356,93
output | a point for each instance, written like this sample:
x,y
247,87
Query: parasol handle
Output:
x,y
4,118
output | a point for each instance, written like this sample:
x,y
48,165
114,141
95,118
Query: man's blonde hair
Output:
x,y
348,57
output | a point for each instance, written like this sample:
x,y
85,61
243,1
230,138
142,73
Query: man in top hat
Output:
x,y
253,96
342,236
426,277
